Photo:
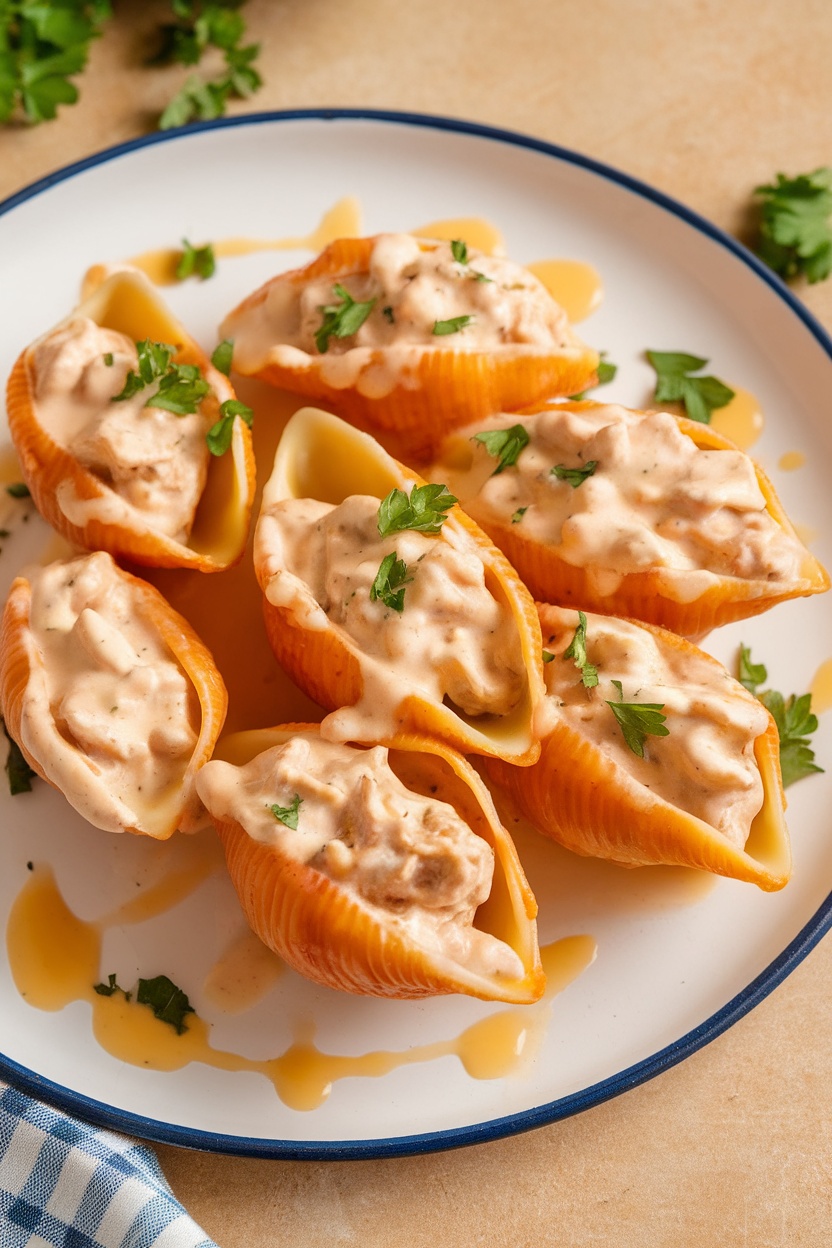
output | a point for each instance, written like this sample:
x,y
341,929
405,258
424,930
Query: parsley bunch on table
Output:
x,y
43,46
199,27
796,225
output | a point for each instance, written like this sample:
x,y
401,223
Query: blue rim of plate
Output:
x,y
478,1133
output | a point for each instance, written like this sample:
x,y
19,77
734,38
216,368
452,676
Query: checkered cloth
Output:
x,y
64,1184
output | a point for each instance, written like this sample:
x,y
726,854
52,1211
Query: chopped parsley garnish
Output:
x,y
548,657
451,326
518,515
342,320
19,772
108,359
576,650
793,717
638,720
168,1003
218,436
111,988
390,582
196,261
459,250
574,476
18,489
424,511
288,815
221,359
181,387
504,445
700,396
796,225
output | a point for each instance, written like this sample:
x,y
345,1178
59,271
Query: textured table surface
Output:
x,y
704,100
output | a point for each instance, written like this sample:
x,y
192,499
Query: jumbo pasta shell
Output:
x,y
661,595
321,457
584,798
333,935
103,784
79,503
417,393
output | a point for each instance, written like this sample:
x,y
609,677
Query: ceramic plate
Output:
x,y
679,957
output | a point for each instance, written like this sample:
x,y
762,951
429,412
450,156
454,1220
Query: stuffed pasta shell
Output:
x,y
652,753
383,873
118,419
386,604
640,514
410,336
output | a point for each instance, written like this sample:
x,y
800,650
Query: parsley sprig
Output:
x,y
219,435
504,445
793,717
675,383
342,319
423,511
638,720
796,225
390,582
181,387
43,46
200,26
576,651
196,261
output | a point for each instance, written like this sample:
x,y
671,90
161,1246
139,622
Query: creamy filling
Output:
x,y
452,640
654,501
110,714
153,460
414,287
706,764
409,858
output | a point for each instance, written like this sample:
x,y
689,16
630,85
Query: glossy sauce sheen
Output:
x,y
55,959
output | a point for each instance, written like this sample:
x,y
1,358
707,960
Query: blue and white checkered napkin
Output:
x,y
64,1184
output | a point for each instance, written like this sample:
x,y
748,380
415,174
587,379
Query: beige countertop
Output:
x,y
703,100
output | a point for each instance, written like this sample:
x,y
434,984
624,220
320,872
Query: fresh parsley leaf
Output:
x,y
638,720
288,815
201,26
459,250
168,1003
700,396
518,515
424,511
221,359
181,387
576,650
342,320
574,476
796,225
219,435
19,772
111,988
42,46
504,445
548,657
108,358
793,717
18,489
196,261
390,582
451,326
751,675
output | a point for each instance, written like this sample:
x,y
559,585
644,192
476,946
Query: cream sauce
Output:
x,y
410,860
653,500
706,765
153,461
452,639
108,712
55,959
413,286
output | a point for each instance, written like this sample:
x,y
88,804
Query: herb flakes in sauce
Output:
x,y
341,320
288,815
574,476
452,326
390,582
638,720
504,445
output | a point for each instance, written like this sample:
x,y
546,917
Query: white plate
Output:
x,y
676,964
